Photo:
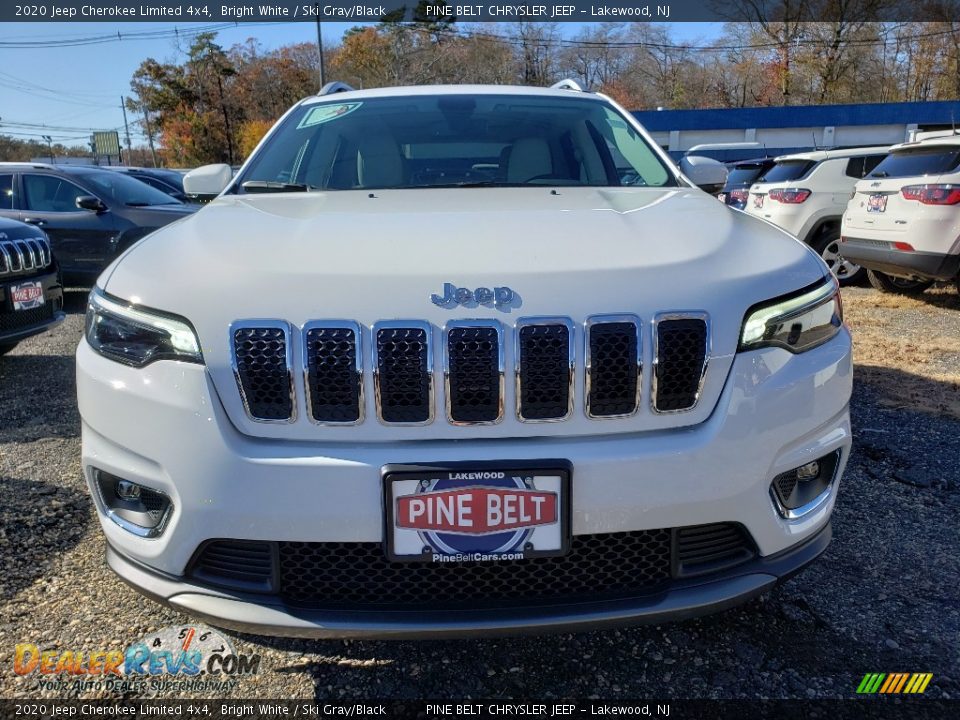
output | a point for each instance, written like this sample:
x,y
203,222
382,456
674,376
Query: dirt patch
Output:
x,y
908,347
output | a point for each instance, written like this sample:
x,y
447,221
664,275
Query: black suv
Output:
x,y
90,215
742,174
166,181
31,296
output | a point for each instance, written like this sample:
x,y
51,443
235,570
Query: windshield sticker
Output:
x,y
326,113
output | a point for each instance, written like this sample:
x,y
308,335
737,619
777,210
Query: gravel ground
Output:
x,y
883,598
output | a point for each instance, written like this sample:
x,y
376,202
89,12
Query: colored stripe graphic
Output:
x,y
894,683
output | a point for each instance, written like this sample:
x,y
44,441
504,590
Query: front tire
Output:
x,y
828,247
7,347
891,284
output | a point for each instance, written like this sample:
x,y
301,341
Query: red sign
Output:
x,y
476,510
26,293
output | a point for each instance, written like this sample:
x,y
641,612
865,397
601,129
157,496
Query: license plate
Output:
x,y
758,201
877,203
476,514
27,296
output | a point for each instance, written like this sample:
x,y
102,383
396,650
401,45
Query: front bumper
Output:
x,y
257,614
19,325
882,257
164,427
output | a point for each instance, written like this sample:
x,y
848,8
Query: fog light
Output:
x,y
127,490
136,508
802,490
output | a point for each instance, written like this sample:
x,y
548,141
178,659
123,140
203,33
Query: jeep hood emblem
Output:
x,y
499,297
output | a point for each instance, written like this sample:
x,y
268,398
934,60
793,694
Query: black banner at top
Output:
x,y
201,11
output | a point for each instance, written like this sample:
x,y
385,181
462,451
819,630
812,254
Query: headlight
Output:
x,y
136,336
796,323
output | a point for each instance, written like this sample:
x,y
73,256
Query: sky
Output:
x,y
77,88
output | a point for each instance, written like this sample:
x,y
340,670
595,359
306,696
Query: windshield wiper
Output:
x,y
880,174
267,186
137,203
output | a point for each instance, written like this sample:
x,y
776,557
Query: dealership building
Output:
x,y
797,128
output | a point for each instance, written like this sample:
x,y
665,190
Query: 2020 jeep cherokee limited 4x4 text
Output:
x,y
454,360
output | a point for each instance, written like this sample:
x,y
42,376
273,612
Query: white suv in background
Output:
x,y
806,194
903,222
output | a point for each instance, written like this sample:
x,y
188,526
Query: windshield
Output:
x,y
929,161
126,190
788,170
454,140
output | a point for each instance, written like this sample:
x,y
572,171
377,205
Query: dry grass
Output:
x,y
908,348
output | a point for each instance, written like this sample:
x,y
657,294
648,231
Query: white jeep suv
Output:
x,y
806,195
453,360
903,221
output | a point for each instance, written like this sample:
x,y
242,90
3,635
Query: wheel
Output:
x,y
828,246
891,284
7,347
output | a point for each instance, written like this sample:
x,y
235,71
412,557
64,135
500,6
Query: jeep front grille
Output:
x,y
680,362
264,371
333,354
17,256
403,372
334,372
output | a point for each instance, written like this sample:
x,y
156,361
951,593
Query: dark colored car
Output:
x,y
31,296
90,215
743,173
166,181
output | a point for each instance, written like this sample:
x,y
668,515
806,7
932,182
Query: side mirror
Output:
x,y
89,202
706,173
208,181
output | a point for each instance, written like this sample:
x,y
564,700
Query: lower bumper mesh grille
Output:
x,y
23,319
344,575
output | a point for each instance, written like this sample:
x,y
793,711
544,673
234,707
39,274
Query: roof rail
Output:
x,y
38,165
334,87
567,84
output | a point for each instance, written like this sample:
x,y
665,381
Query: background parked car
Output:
x,y
90,215
742,174
162,179
806,195
31,296
903,222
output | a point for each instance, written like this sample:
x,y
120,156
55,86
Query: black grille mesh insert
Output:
x,y
352,573
785,484
236,563
22,319
474,366
332,376
681,351
261,355
544,371
614,370
703,549
403,375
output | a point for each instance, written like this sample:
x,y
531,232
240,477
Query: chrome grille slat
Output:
x,y
403,372
333,372
613,347
544,355
24,254
681,351
263,367
474,372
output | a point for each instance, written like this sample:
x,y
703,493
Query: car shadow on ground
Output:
x,y
38,397
75,300
39,522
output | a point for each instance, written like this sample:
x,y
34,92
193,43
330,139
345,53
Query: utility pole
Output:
x,y
123,107
146,125
50,146
320,45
